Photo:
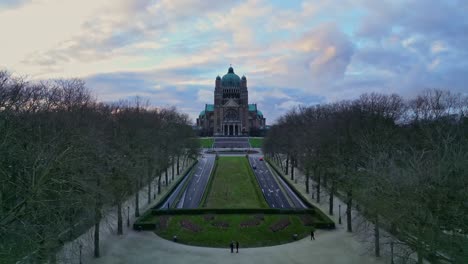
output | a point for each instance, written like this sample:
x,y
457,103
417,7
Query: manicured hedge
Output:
x,y
144,226
234,211
321,221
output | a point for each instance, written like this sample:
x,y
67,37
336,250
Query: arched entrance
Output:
x,y
231,123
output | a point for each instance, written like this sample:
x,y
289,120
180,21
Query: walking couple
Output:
x,y
234,243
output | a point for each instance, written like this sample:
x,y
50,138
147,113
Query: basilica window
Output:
x,y
231,115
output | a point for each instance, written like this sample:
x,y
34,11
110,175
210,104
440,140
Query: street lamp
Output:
x,y
128,216
339,214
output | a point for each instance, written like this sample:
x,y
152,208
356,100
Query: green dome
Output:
x,y
259,113
230,79
202,113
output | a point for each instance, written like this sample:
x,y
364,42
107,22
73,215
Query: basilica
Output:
x,y
231,114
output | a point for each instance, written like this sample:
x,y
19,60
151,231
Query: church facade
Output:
x,y
231,114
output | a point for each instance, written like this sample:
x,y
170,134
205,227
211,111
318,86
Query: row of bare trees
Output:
x,y
64,158
403,162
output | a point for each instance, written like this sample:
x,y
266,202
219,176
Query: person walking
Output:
x,y
232,246
312,235
237,246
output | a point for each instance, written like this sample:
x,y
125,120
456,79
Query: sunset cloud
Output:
x,y
292,52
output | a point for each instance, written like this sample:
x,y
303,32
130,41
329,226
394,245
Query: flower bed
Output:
x,y
187,224
220,224
306,220
280,225
250,223
164,222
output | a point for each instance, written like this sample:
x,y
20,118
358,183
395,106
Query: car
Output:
x,y
254,167
260,159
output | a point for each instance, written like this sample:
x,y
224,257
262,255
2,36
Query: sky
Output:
x,y
292,52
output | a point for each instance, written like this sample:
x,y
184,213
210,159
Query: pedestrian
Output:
x,y
232,246
237,246
312,235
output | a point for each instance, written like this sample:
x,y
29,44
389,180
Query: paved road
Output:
x,y
231,142
170,201
270,188
197,185
297,202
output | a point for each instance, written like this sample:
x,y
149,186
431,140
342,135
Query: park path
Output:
x,y
146,247
70,253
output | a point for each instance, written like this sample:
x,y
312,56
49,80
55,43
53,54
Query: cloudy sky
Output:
x,y
292,52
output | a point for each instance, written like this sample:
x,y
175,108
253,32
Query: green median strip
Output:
x,y
233,186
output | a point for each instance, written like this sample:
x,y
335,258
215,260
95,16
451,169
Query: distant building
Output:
x,y
231,114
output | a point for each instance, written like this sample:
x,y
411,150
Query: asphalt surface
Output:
x,y
170,201
231,142
270,188
297,202
197,185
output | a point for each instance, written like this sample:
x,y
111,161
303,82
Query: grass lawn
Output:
x,y
256,142
214,236
234,186
206,142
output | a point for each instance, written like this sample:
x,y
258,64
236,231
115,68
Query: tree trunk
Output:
x,y
318,185
173,164
377,236
325,180
119,219
331,196
292,168
286,171
137,201
149,189
97,221
420,255
391,253
97,218
166,175
279,162
349,203
70,222
307,180
183,162
178,160
97,253
159,182
52,258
